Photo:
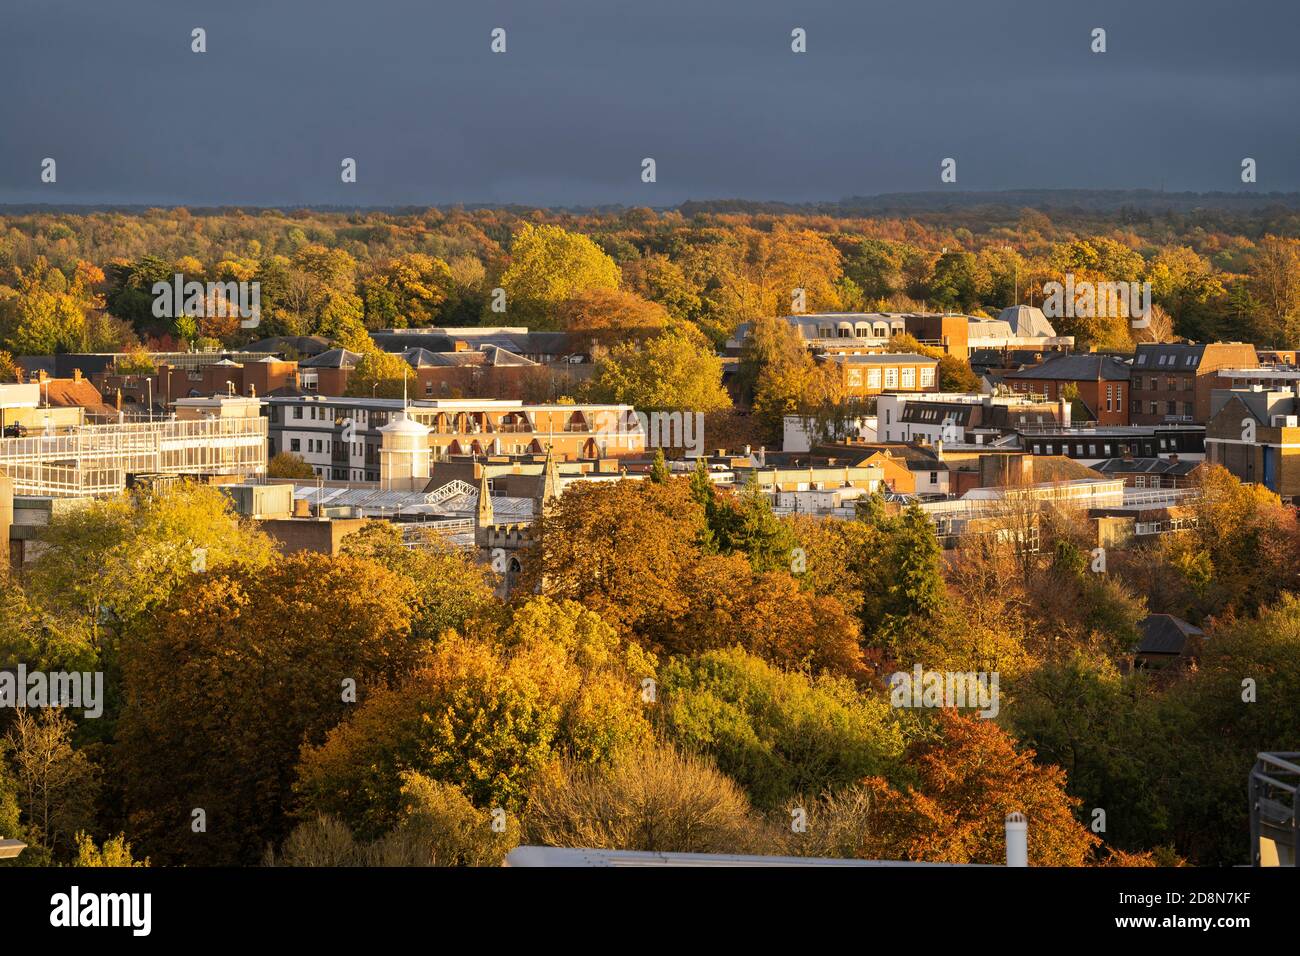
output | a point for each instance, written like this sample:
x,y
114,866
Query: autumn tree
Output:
x,y
56,785
287,465
675,370
621,549
232,677
968,778
379,374
653,800
406,291
781,377
1275,284
607,317
451,590
767,613
115,558
549,265
485,715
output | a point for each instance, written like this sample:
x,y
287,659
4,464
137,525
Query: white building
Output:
x,y
798,435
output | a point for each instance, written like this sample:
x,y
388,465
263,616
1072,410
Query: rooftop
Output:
x,y
1090,367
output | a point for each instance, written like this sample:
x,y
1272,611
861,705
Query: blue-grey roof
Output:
x,y
1078,367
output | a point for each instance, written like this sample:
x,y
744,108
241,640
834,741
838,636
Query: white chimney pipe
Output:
x,y
1017,840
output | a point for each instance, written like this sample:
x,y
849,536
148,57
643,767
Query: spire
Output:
x,y
550,479
485,513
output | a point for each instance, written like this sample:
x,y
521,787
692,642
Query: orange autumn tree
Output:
x,y
226,682
767,614
620,549
969,777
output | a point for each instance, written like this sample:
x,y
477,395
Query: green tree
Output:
x,y
286,465
115,852
778,734
549,265
673,370
659,468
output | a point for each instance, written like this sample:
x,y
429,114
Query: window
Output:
x,y
295,444
927,377
934,477
1155,408
873,378
891,378
297,411
1187,409
1109,398
1162,360
1142,358
908,378
1139,482
1173,408
1092,451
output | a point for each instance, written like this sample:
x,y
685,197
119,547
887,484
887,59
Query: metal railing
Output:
x,y
1274,830
95,459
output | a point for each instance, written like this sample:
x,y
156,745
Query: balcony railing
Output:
x,y
1274,829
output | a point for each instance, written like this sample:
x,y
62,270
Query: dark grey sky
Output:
x,y
709,88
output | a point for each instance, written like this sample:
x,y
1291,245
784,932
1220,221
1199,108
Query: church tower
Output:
x,y
485,517
550,483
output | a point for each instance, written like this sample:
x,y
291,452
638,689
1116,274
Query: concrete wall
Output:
x,y
324,536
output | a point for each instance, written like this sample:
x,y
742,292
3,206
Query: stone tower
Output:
x,y
550,491
484,518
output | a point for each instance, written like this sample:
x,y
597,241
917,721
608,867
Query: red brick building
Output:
x,y
1102,382
1172,382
